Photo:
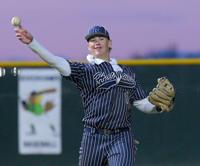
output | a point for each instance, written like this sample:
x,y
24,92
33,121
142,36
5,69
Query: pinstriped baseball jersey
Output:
x,y
107,95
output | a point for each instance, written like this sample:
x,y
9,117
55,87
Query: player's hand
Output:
x,y
23,35
163,95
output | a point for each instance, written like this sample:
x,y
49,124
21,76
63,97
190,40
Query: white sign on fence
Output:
x,y
39,111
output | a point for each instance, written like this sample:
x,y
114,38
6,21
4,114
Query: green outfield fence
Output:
x,y
168,139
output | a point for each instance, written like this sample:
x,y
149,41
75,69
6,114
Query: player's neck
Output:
x,y
104,57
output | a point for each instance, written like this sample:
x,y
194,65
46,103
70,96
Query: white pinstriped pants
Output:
x,y
114,149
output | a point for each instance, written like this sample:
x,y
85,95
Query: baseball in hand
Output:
x,y
16,21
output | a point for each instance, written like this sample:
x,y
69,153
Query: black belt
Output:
x,y
106,131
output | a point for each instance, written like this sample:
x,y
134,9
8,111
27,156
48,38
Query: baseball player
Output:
x,y
108,92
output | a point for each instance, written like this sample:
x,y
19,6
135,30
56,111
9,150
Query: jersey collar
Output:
x,y
92,60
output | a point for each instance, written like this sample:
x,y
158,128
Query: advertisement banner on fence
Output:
x,y
39,111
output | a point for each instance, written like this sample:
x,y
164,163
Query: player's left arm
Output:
x,y
140,99
145,106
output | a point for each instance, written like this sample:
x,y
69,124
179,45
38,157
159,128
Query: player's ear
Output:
x,y
89,49
110,44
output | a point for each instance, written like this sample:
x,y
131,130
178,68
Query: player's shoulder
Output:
x,y
77,62
82,64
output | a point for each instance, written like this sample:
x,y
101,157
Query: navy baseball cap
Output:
x,y
97,31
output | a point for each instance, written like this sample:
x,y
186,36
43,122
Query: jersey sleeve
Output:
x,y
77,73
138,93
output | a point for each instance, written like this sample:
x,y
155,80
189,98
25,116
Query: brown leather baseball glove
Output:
x,y
163,95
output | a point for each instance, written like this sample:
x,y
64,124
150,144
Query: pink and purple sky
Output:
x,y
135,26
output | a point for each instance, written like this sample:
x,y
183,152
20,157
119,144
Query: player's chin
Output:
x,y
99,54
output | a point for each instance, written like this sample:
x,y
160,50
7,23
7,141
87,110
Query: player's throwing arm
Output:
x,y
26,37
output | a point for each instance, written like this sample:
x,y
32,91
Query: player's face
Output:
x,y
100,47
